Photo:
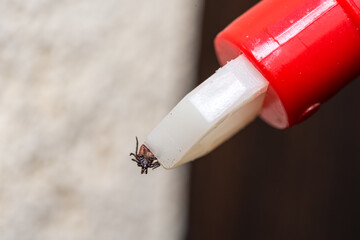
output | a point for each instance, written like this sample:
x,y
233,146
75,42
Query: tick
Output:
x,y
144,158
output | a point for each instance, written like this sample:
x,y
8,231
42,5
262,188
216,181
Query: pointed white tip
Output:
x,y
210,114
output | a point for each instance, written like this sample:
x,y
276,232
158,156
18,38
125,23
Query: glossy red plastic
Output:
x,y
307,50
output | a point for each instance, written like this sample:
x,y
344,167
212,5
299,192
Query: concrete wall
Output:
x,y
78,80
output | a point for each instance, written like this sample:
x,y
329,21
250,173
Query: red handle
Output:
x,y
307,50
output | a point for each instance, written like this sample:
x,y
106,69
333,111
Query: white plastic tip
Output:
x,y
210,114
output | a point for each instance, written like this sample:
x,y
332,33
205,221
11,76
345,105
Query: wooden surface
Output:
x,y
300,183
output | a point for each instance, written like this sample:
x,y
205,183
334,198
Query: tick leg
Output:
x,y
137,144
132,154
155,165
135,160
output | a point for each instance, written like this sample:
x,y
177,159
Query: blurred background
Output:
x,y
80,79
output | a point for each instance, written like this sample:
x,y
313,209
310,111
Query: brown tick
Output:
x,y
144,158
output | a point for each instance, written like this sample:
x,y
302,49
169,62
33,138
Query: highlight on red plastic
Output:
x,y
307,50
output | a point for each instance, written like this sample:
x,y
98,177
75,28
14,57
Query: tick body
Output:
x,y
144,158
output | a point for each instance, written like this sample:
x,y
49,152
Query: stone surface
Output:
x,y
78,80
